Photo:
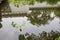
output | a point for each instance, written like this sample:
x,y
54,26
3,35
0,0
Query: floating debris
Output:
x,y
20,29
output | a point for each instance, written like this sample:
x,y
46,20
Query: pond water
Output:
x,y
41,24
36,22
33,23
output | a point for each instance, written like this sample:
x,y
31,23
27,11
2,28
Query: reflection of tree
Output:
x,y
38,17
0,25
31,2
0,19
43,36
2,7
0,16
57,12
52,1
22,2
51,36
49,1
21,37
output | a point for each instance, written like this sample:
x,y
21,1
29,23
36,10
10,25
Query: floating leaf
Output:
x,y
13,24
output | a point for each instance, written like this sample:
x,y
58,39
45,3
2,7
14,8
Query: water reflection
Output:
x,y
39,17
57,13
0,19
0,16
43,36
4,6
0,25
47,20
52,2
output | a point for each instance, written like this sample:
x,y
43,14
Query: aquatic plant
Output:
x,y
18,27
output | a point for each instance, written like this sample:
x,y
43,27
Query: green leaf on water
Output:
x,y
13,24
